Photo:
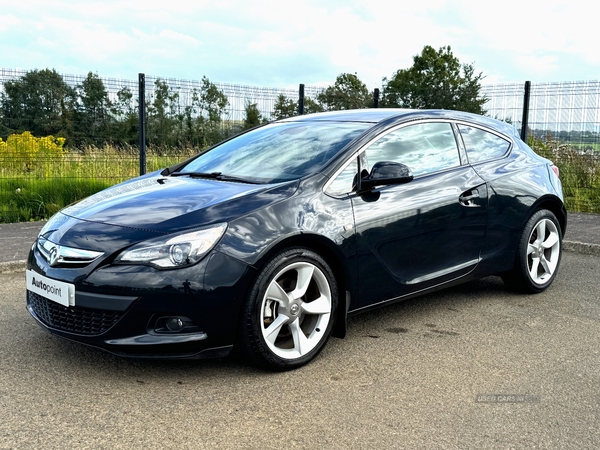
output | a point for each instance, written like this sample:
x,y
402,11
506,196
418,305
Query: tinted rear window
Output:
x,y
482,145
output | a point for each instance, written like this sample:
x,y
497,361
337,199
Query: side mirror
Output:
x,y
387,173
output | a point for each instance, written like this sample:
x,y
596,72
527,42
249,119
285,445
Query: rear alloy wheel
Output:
x,y
538,254
290,311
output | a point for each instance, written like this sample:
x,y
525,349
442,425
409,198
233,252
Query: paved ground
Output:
x,y
583,233
436,372
583,236
15,241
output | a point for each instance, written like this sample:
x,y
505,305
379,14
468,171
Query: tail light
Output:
x,y
555,170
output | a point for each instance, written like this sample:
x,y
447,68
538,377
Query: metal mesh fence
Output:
x,y
568,111
185,116
564,126
237,95
505,102
179,113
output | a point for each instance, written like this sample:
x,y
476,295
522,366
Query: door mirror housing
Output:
x,y
387,173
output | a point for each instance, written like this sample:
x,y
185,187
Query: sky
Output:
x,y
279,44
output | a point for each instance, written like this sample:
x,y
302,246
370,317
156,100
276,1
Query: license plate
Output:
x,y
57,291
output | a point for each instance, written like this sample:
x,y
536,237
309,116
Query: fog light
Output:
x,y
174,324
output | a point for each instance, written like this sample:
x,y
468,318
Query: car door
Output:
x,y
423,233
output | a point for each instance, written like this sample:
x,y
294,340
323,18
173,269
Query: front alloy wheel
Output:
x,y
290,312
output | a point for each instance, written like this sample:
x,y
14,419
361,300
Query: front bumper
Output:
x,y
123,309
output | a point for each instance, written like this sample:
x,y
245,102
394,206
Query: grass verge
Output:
x,y
36,188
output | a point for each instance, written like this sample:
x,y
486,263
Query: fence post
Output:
x,y
376,98
301,100
525,121
142,119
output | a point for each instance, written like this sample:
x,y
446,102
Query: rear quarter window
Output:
x,y
482,145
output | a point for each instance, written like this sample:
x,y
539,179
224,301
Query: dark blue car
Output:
x,y
269,240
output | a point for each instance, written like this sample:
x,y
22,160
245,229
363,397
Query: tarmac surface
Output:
x,y
475,366
583,236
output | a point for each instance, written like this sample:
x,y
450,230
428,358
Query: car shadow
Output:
x,y
71,357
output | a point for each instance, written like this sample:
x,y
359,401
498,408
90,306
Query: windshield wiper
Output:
x,y
215,176
237,179
197,174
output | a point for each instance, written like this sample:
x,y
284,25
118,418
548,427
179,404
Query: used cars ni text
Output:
x,y
269,240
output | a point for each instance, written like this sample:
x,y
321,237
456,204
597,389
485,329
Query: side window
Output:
x,y
423,147
344,182
482,145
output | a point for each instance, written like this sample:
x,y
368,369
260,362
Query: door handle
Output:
x,y
467,198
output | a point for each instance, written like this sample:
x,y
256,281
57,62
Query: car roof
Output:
x,y
376,115
352,115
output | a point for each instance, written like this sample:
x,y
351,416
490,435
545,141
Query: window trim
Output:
x,y
463,159
343,167
507,153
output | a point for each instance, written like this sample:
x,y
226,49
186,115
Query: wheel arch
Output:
x,y
330,252
525,274
554,205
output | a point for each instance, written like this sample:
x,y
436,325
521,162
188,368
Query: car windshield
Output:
x,y
276,152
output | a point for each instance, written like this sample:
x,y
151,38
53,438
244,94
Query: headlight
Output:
x,y
180,250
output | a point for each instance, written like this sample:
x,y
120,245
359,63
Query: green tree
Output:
x,y
201,121
125,127
284,107
162,117
436,80
311,106
252,116
348,92
40,101
93,111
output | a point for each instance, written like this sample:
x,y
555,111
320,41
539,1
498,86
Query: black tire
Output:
x,y
296,295
538,257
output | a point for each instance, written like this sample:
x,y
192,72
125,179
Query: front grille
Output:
x,y
74,319
60,255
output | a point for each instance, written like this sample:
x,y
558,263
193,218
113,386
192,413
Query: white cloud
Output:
x,y
310,41
173,37
8,21
538,66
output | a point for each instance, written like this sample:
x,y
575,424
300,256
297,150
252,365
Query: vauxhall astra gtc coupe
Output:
x,y
268,241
